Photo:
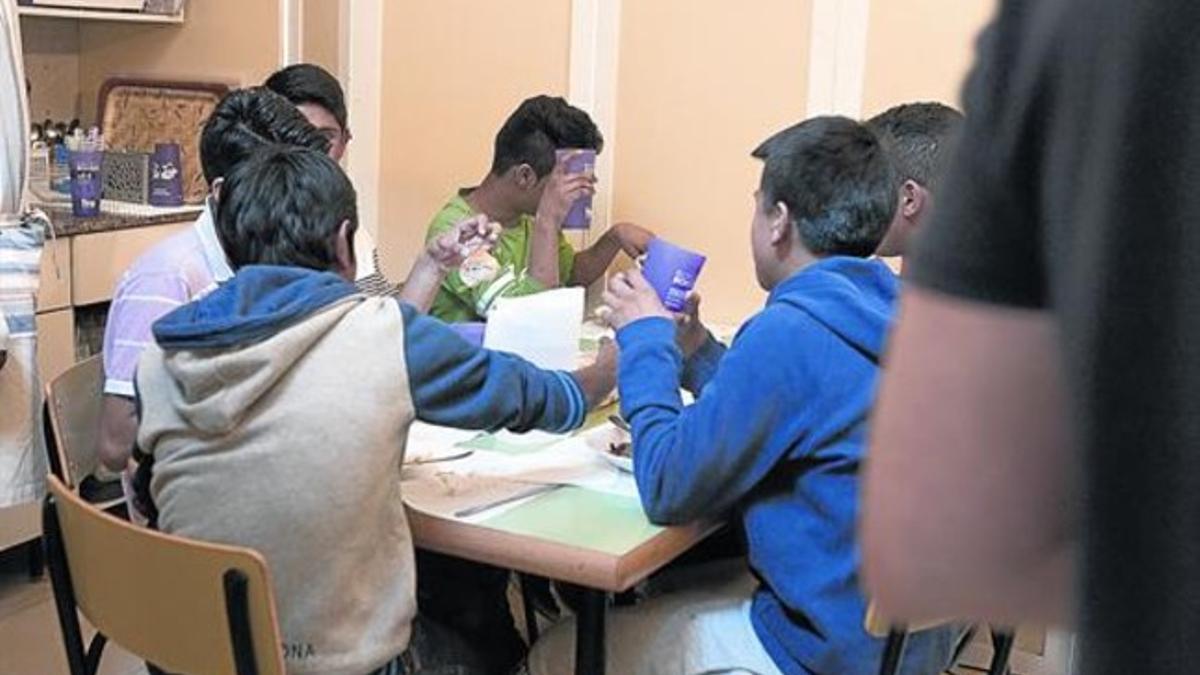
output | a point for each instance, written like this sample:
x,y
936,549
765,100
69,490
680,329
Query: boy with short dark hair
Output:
x,y
266,424
318,96
919,138
777,432
187,265
529,193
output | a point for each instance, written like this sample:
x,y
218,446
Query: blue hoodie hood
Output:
x,y
256,303
230,348
852,297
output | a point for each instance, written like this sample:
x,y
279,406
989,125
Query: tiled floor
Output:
x,y
29,636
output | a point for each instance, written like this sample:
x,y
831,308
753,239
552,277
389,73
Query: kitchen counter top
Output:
x,y
66,224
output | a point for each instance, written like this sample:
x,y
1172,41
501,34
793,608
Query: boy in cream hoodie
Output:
x,y
276,410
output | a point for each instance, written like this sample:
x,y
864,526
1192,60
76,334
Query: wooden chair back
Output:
x,y
72,421
185,606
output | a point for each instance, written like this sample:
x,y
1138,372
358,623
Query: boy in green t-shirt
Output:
x,y
529,193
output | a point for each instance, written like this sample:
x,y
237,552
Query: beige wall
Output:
x,y
452,71
920,50
700,85
51,52
320,34
233,41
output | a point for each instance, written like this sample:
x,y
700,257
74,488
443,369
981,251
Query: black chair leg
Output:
x,y
94,652
36,560
1002,646
893,651
64,593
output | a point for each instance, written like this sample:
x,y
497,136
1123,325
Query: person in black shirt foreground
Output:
x,y
1036,452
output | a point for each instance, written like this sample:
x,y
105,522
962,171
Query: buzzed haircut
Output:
x,y
919,137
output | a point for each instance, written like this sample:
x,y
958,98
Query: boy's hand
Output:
x,y
562,189
467,236
690,332
629,298
634,239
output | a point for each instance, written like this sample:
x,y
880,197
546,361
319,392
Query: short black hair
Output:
x,y
537,128
247,119
837,181
283,206
309,83
919,137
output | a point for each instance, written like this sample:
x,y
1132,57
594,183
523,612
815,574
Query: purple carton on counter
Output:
x,y
166,175
578,161
672,271
87,184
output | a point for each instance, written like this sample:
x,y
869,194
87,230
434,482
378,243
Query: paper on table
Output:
x,y
427,442
543,328
445,493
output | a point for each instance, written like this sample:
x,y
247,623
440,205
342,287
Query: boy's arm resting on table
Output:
x,y
699,460
998,452
457,384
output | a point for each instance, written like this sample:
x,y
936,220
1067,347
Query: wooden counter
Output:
x,y
81,266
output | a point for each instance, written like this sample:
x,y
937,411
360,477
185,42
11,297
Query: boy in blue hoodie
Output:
x,y
777,432
275,411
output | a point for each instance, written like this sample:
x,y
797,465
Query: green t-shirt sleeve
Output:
x,y
456,301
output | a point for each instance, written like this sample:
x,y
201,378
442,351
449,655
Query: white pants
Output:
x,y
705,629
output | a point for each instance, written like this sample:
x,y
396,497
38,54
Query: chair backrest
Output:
x,y
73,402
186,606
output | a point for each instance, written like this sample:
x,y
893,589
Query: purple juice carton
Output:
x,y
166,175
672,271
578,161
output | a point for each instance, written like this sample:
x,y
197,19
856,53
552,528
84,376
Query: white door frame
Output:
x,y
837,57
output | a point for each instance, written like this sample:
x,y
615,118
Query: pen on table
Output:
x,y
480,508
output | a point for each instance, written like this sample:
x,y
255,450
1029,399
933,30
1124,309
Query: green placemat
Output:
x,y
496,443
583,518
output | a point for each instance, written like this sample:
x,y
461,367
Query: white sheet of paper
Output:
x,y
543,328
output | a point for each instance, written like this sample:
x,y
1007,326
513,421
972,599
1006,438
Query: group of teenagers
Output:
x,y
261,375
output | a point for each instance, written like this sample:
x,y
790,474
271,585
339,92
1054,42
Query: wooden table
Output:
x,y
597,571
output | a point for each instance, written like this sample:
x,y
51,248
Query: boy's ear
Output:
x,y
215,189
912,199
524,176
344,251
781,225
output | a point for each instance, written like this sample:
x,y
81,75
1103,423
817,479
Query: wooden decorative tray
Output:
x,y
135,114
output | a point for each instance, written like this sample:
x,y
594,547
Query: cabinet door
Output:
x,y
56,343
54,289
98,260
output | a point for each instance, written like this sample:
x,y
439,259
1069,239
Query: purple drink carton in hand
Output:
x,y
579,217
672,272
166,175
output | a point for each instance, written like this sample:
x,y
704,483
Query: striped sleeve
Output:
x,y
139,301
